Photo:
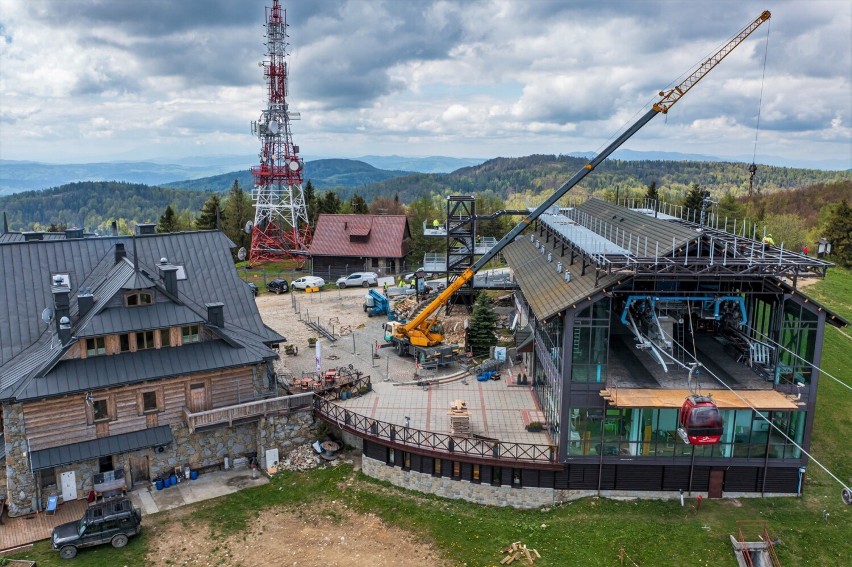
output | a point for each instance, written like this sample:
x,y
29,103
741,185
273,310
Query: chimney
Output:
x,y
169,275
114,228
85,301
61,305
73,233
120,252
64,330
146,228
215,314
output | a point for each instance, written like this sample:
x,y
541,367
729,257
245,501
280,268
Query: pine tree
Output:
x,y
483,323
359,205
651,193
207,217
838,231
238,211
692,203
168,221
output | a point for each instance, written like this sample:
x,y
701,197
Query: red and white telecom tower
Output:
x,y
281,228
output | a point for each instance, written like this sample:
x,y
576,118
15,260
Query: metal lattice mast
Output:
x,y
281,228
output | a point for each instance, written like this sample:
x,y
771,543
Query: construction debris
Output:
x,y
518,551
459,419
302,458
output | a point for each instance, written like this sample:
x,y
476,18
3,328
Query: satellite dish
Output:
x,y
241,254
248,227
295,165
273,127
47,315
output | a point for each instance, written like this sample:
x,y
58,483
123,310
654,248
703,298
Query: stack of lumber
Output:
x,y
459,419
519,551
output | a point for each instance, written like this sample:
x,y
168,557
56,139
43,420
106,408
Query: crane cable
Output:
x,y
752,169
812,365
846,489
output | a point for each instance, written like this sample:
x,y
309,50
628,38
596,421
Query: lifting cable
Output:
x,y
812,365
752,169
846,490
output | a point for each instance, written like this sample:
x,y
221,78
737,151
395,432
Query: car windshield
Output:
x,y
81,526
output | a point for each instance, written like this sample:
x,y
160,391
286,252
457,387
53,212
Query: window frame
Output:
x,y
138,299
110,409
165,337
145,343
95,346
187,331
158,401
124,337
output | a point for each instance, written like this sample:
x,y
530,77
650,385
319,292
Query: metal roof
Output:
x,y
105,371
105,446
544,288
378,236
123,320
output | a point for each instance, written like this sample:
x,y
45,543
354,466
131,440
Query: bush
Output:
x,y
535,427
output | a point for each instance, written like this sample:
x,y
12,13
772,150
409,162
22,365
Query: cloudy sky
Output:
x,y
101,80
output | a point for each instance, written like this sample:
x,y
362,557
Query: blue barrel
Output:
x,y
193,475
167,482
172,480
159,484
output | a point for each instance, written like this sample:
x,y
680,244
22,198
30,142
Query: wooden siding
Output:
x,y
61,421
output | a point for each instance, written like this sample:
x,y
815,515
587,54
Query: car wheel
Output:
x,y
341,285
119,541
365,284
68,552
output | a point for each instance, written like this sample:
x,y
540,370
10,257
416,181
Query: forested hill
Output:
x,y
95,204
323,173
535,174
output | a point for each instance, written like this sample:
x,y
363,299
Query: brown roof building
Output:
x,y
351,243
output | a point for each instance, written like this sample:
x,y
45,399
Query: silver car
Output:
x,y
363,279
307,281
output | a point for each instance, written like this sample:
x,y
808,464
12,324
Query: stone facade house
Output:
x,y
135,354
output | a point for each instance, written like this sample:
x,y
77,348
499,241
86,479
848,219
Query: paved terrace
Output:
x,y
498,409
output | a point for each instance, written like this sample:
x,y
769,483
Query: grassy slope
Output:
x,y
590,531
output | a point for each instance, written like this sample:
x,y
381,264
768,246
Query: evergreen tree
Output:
x,y
359,205
483,323
838,231
692,203
207,217
329,203
652,195
311,203
168,221
238,211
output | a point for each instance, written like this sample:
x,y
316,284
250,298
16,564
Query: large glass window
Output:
x,y
590,343
550,333
798,343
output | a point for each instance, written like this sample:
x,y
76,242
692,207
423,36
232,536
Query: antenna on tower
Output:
x,y
280,228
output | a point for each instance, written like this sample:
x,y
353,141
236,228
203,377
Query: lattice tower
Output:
x,y
281,228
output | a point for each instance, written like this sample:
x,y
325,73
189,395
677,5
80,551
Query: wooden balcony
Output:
x,y
246,412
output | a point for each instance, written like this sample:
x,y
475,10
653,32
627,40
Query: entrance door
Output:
x,y
139,469
197,398
717,481
69,486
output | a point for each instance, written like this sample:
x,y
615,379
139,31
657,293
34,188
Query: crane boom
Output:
x,y
418,330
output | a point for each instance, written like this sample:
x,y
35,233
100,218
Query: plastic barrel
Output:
x,y
193,475
172,480
167,482
159,484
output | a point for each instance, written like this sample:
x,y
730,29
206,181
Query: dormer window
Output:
x,y
190,334
95,346
139,298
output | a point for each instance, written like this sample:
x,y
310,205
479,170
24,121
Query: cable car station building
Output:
x,y
628,308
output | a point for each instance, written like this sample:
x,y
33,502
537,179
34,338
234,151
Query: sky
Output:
x,y
105,80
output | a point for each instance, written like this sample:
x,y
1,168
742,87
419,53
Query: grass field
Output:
x,y
591,531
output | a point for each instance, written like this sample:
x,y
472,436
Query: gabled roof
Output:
x,y
364,236
29,347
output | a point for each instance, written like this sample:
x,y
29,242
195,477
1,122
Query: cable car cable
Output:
x,y
846,489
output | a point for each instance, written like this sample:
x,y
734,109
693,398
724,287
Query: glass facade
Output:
x,y
547,381
652,432
798,343
590,343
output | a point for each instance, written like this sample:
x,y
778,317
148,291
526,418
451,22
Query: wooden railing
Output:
x,y
247,410
480,449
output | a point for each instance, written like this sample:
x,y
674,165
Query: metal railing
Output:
x,y
247,410
449,445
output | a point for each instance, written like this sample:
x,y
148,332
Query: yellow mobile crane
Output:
x,y
422,335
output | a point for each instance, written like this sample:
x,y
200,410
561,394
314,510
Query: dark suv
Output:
x,y
278,286
112,521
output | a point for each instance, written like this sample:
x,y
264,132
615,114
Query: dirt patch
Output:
x,y
325,535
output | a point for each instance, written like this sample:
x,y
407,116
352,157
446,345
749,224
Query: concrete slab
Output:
x,y
206,486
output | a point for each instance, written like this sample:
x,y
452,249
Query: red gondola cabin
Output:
x,y
700,421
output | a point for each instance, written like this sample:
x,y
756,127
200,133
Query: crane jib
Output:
x,y
663,105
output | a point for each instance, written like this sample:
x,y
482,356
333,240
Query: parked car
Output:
x,y
307,281
113,521
421,271
253,288
278,286
364,279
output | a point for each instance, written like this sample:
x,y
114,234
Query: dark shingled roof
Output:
x,y
114,321
96,448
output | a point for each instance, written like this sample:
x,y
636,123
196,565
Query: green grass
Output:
x,y
587,532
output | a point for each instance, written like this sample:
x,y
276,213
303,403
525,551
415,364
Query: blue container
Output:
x,y
193,475
159,484
172,480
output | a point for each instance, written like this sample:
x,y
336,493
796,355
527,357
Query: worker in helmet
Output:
x,y
768,241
